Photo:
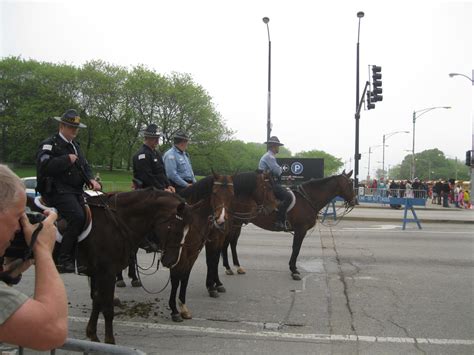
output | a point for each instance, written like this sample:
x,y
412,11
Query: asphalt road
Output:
x,y
368,287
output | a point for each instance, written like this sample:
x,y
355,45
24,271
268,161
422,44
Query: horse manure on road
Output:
x,y
135,309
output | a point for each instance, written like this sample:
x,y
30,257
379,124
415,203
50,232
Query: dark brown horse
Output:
x,y
253,195
311,197
120,221
210,199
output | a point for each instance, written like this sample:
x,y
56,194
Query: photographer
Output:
x,y
39,322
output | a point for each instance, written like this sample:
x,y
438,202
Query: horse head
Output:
x,y
221,198
171,229
346,187
264,196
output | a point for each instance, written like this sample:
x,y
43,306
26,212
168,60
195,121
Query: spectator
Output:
x,y
39,322
445,190
467,199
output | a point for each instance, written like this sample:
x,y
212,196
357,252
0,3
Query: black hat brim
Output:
x,y
80,125
274,143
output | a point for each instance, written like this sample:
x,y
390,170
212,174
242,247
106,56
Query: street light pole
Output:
x,y
360,14
370,151
269,122
387,136
415,116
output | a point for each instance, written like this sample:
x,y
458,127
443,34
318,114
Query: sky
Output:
x,y
223,44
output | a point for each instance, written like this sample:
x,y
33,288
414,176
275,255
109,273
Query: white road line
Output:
x,y
286,336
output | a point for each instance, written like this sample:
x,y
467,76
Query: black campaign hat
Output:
x,y
273,141
181,135
151,131
71,118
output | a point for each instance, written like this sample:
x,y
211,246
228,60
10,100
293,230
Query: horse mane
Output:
x,y
319,182
245,183
199,190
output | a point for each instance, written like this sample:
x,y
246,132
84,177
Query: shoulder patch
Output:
x,y
141,156
47,147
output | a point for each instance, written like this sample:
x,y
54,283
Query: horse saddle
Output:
x,y
62,224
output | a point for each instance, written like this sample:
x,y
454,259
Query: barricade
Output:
x,y
81,346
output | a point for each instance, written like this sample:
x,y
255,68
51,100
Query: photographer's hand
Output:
x,y
47,236
17,269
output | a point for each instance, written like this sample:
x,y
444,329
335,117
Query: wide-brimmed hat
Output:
x,y
181,135
273,141
151,131
71,118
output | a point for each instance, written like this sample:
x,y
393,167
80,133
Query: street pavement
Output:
x,y
368,287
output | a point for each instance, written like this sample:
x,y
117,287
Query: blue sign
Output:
x,y
297,168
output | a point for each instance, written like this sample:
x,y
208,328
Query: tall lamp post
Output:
x,y
370,151
418,114
471,79
360,14
266,20
385,137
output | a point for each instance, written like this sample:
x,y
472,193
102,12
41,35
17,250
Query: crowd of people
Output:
x,y
442,192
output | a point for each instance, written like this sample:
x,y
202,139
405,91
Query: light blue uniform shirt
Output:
x,y
268,163
178,167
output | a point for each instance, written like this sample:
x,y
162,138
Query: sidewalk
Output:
x,y
428,214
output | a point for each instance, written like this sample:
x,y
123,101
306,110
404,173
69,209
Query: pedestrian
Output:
x,y
467,199
62,171
148,166
38,322
269,164
409,189
445,191
178,163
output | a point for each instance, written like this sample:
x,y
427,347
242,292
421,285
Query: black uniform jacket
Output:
x,y
55,172
148,167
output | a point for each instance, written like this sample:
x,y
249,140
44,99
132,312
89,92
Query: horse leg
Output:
x,y
184,311
175,279
91,330
119,278
132,274
297,241
210,283
233,247
108,288
225,259
215,272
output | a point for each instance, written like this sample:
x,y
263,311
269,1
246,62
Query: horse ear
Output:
x,y
180,209
343,172
349,174
216,175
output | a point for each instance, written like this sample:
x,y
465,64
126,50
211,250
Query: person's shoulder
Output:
x,y
169,154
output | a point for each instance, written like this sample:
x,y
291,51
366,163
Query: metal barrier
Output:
x,y
383,196
81,346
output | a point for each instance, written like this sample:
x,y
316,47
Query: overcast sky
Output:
x,y
224,46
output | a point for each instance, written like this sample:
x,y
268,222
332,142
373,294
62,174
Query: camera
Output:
x,y
18,248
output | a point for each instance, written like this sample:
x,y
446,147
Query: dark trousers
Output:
x,y
284,196
70,207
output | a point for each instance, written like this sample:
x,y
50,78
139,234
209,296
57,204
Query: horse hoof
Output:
x,y
109,340
120,283
241,271
296,276
229,272
213,293
117,302
136,283
186,315
220,289
176,317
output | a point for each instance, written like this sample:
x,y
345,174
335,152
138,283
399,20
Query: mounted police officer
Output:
x,y
148,167
178,164
62,170
269,164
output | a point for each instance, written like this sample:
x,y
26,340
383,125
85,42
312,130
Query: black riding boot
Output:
x,y
66,256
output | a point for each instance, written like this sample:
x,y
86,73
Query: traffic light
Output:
x,y
376,83
370,105
469,158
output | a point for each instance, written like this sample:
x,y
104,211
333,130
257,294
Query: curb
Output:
x,y
451,221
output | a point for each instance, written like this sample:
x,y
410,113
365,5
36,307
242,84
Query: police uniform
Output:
x,y
148,166
178,164
61,183
269,164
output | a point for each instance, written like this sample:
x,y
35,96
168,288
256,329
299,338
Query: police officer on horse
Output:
x,y
148,167
62,171
269,164
178,164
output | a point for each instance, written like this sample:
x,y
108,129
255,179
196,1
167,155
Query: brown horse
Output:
x,y
311,196
253,195
120,221
210,198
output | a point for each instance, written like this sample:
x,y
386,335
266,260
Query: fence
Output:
x,y
81,346
383,195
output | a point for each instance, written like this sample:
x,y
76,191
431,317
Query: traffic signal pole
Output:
x,y
357,155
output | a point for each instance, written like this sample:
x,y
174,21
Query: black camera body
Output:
x,y
18,248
